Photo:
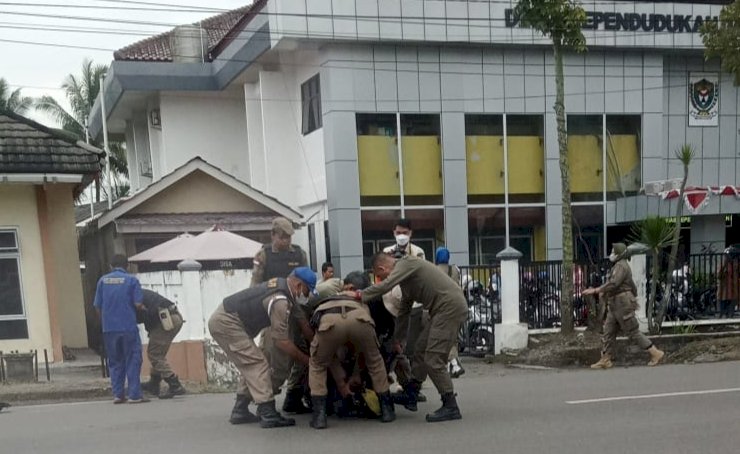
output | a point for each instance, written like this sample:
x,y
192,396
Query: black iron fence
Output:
x,y
482,288
540,285
704,287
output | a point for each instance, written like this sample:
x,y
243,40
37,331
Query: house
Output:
x,y
191,198
358,113
42,171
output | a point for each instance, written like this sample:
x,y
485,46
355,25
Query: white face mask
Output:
x,y
302,299
613,257
402,240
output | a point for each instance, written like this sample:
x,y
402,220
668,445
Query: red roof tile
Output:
x,y
157,48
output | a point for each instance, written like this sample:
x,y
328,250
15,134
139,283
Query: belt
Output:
x,y
337,310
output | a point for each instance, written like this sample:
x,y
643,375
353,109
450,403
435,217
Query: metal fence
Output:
x,y
698,288
540,286
482,288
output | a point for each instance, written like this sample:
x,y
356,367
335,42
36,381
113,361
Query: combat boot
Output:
x,y
240,413
411,395
655,355
174,388
318,421
448,411
604,363
270,418
294,402
387,411
152,386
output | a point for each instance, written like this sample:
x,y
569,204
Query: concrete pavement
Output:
x,y
504,411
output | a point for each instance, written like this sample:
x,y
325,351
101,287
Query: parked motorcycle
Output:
x,y
476,334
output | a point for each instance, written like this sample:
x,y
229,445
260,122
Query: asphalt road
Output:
x,y
667,409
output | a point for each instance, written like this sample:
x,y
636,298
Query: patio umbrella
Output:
x,y
213,244
156,251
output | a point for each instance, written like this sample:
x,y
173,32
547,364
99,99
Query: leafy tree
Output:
x,y
13,101
561,21
722,40
656,234
81,91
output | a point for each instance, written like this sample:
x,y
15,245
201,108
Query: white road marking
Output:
x,y
60,404
653,396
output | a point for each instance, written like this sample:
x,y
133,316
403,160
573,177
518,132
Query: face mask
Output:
x,y
302,299
613,257
402,239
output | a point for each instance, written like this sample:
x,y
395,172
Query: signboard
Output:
x,y
703,99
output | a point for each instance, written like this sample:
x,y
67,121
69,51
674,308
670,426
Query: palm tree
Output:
x,y
561,21
81,92
13,101
655,234
685,154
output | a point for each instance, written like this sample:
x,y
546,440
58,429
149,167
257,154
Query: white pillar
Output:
x,y
191,302
510,333
638,265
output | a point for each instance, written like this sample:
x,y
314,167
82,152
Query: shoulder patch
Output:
x,y
272,283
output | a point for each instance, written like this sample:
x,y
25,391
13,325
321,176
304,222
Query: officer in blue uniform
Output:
x,y
117,298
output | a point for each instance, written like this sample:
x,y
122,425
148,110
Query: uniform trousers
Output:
x,y
621,316
432,350
336,331
228,332
159,344
123,349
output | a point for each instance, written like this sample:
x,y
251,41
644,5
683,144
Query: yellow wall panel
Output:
x,y
526,165
485,164
378,166
422,165
623,162
585,159
540,243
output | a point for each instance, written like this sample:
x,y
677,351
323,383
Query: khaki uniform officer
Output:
x,y
423,282
620,293
340,320
277,259
160,340
235,324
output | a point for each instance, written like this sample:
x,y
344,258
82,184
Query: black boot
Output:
x,y
319,412
152,386
387,411
411,391
174,388
240,413
448,411
270,418
294,402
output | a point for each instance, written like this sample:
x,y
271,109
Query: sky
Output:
x,y
39,69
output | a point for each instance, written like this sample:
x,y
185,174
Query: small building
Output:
x,y
42,171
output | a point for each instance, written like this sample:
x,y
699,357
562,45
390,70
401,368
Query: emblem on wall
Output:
x,y
703,99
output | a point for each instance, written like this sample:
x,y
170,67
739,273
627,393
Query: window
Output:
x,y
311,102
12,315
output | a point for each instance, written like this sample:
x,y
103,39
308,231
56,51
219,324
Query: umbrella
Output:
x,y
213,244
156,251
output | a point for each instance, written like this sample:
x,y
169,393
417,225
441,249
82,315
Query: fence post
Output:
x,y
510,333
638,265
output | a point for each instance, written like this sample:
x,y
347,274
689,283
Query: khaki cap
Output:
x,y
282,225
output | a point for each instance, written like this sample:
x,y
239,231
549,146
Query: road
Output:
x,y
667,409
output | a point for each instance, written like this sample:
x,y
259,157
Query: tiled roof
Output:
x,y
29,147
225,220
218,28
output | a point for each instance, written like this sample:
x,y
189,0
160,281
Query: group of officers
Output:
x,y
337,340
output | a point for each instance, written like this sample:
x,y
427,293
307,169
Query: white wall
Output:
x,y
211,125
197,295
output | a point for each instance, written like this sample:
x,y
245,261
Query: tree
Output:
x,y
561,21
81,92
13,101
722,40
685,155
655,234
